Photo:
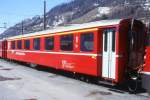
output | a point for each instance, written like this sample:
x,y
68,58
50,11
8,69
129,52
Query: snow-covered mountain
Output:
x,y
81,11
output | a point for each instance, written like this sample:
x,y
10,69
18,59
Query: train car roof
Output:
x,y
71,28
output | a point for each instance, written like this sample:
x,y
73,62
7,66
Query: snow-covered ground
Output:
x,y
103,11
18,82
146,5
58,20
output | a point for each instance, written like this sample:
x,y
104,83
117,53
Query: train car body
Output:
x,y
3,49
146,71
101,49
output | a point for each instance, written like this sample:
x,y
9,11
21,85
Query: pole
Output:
x,y
44,20
22,30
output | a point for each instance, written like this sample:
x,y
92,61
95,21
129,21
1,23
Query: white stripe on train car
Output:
x,y
66,53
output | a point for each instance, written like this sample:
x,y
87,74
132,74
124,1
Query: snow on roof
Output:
x,y
72,27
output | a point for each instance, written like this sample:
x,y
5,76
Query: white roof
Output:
x,y
73,27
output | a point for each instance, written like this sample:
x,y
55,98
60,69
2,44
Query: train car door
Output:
x,y
109,54
4,49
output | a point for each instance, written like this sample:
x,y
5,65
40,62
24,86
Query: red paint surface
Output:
x,y
147,61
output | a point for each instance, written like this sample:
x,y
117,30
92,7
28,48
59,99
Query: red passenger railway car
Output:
x,y
3,49
146,71
107,49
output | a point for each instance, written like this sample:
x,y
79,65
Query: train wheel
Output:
x,y
87,80
132,84
33,65
82,78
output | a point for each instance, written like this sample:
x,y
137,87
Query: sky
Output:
x,y
14,11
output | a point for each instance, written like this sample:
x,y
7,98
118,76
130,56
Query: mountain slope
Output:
x,y
81,11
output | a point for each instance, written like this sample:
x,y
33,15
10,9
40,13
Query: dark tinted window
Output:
x,y
66,42
36,44
19,44
13,45
105,40
27,44
49,43
87,42
113,39
109,32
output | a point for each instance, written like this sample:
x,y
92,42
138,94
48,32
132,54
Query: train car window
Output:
x,y
36,44
113,39
106,32
66,42
87,42
27,44
13,45
49,43
105,40
19,44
